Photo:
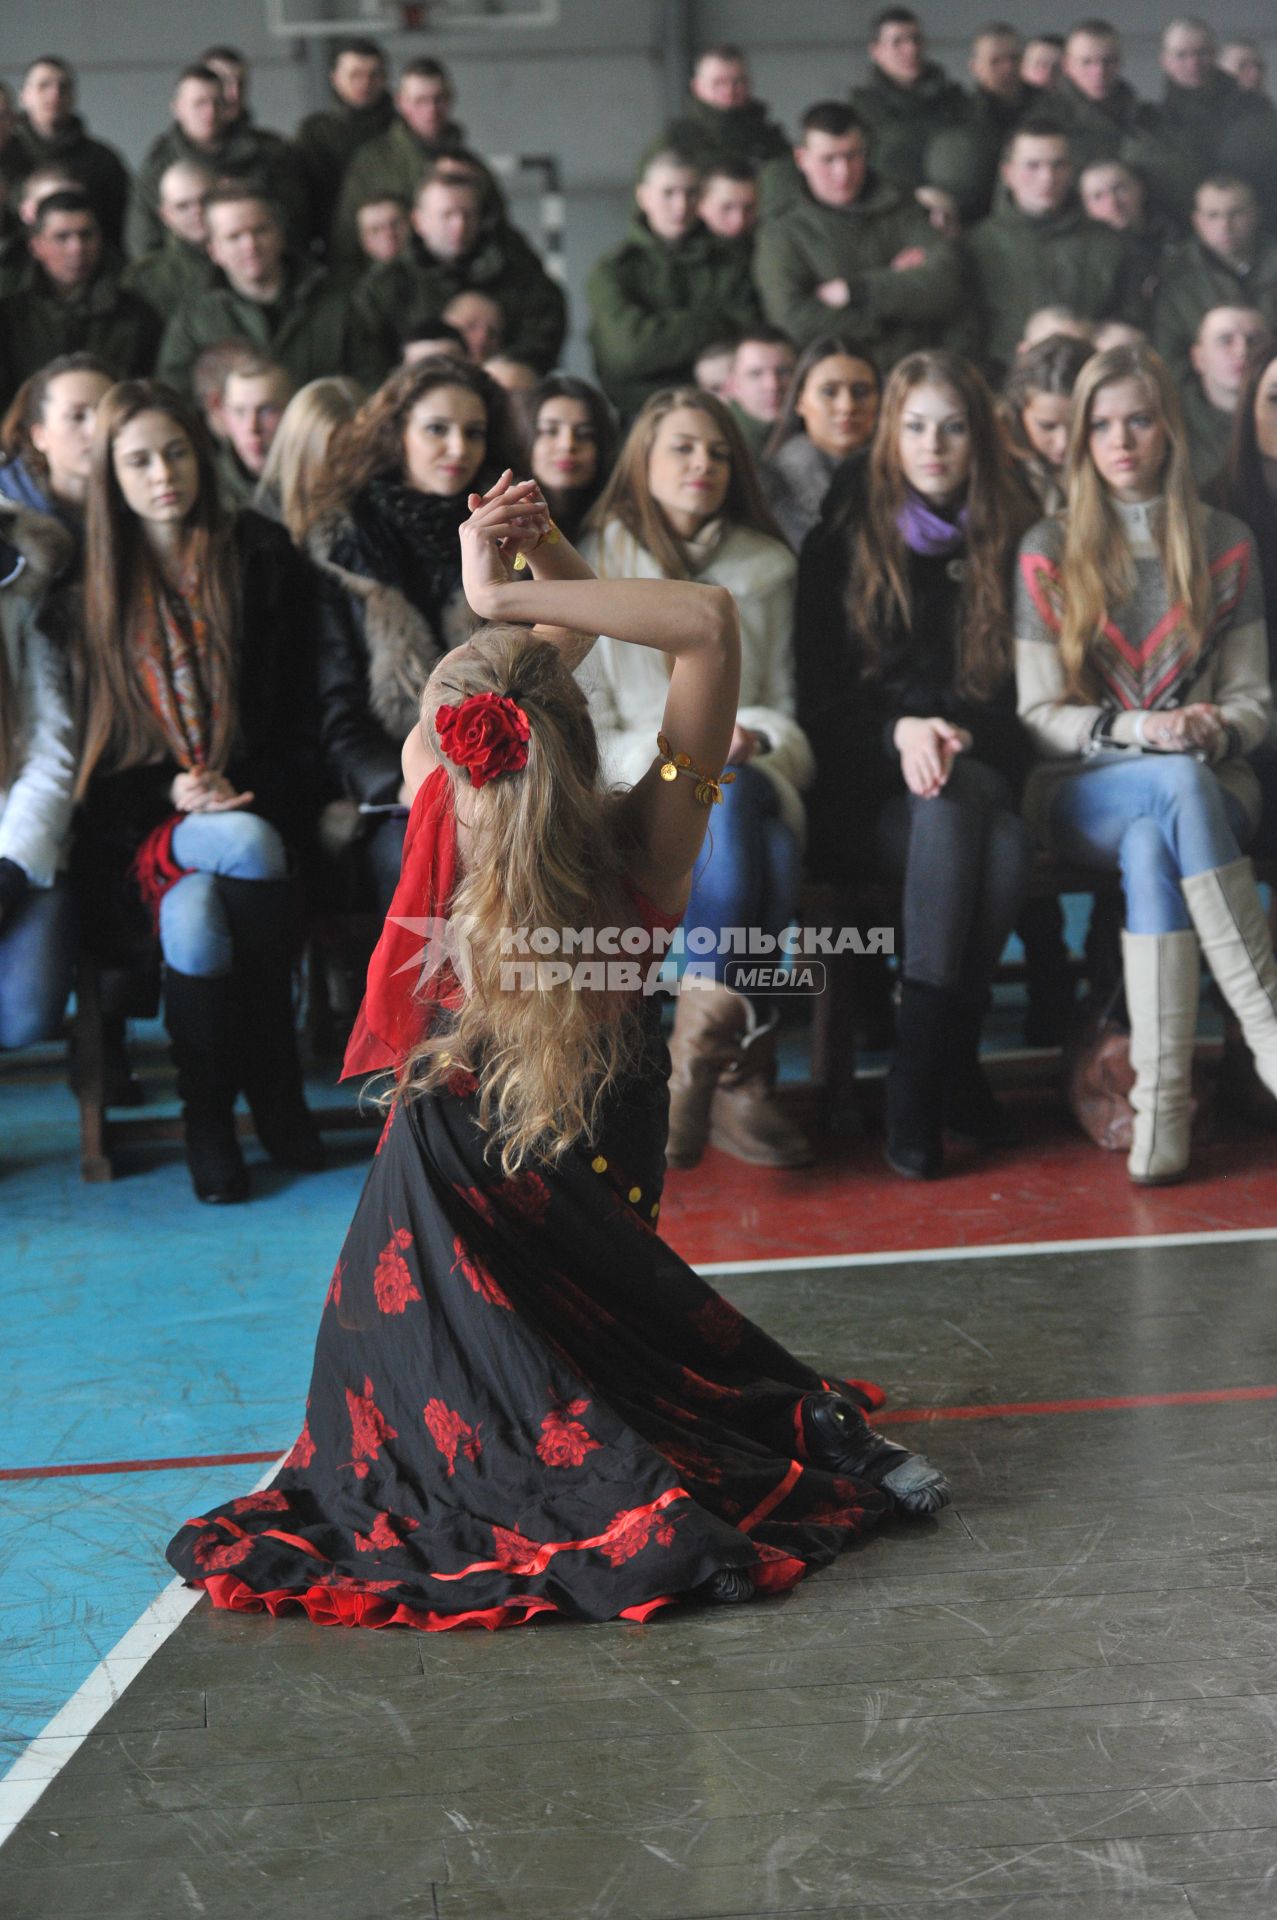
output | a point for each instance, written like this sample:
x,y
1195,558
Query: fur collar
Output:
x,y
403,648
44,545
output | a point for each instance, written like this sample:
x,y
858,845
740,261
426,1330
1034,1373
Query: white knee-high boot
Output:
x,y
1238,946
1163,975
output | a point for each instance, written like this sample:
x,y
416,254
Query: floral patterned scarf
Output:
x,y
173,651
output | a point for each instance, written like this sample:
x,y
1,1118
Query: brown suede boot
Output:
x,y
709,1023
745,1118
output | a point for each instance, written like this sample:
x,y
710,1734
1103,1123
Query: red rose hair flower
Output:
x,y
487,735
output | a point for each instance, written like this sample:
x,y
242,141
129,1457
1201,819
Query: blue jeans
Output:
x,y
37,957
195,935
1159,817
749,871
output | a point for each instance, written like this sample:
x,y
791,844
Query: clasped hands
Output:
x,y
511,517
928,749
1184,729
203,791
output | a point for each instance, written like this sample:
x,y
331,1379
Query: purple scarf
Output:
x,y
926,531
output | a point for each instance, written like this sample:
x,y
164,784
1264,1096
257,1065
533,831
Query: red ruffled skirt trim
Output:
x,y
354,1606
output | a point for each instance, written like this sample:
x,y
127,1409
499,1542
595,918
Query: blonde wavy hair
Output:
x,y
299,451
1097,570
544,850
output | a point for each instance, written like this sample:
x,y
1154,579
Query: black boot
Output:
x,y
260,913
198,1013
915,1082
970,1109
1048,974
840,1439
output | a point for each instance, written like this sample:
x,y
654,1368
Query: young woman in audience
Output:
x,y
387,513
298,458
47,436
601,1433
683,503
568,435
905,688
1035,409
197,770
830,410
37,781
1144,681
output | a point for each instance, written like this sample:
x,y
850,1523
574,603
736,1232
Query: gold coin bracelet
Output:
x,y
709,790
550,539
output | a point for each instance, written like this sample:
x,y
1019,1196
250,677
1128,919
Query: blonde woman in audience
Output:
x,y
298,457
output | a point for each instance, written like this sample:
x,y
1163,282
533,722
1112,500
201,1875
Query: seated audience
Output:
x,y
479,320
724,121
1039,248
1046,322
829,412
712,368
37,781
683,503
1117,333
1228,262
181,267
362,111
426,339
728,203
394,162
458,252
964,158
1142,747
568,445
905,688
1113,193
387,513
1036,409
195,648
667,292
254,396
1244,61
1202,118
47,440
74,302
385,231
907,100
232,69
49,132
853,252
278,302
1226,339
1096,107
758,380
203,133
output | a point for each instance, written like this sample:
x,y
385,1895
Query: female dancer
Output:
x,y
197,769
683,503
830,410
523,1402
1143,679
569,445
387,515
905,689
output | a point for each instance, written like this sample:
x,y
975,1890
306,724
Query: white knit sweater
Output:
x,y
35,809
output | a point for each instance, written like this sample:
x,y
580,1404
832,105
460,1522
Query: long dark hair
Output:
x,y
998,515
370,445
821,348
627,497
1242,488
119,725
568,505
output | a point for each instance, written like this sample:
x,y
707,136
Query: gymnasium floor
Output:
x,y
1057,1702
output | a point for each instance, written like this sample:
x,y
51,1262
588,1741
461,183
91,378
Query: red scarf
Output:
x,y
393,1019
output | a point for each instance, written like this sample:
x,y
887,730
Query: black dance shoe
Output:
x,y
726,1588
840,1439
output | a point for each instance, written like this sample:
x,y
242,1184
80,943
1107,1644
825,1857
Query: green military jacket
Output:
x,y
248,153
174,273
706,134
327,142
393,298
1022,263
1095,132
1181,141
964,158
1209,431
392,164
901,120
36,326
1197,280
891,311
653,307
309,329
104,175
235,483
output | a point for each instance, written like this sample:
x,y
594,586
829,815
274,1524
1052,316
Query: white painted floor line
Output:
x,y
39,1764
822,1262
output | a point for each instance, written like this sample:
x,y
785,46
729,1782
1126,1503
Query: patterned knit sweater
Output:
x,y
1143,660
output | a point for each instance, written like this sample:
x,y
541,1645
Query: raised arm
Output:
x,y
695,626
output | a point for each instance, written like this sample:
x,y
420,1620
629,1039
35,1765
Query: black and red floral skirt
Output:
x,y
524,1403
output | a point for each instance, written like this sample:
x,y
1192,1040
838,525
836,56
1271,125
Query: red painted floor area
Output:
x,y
1056,1186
